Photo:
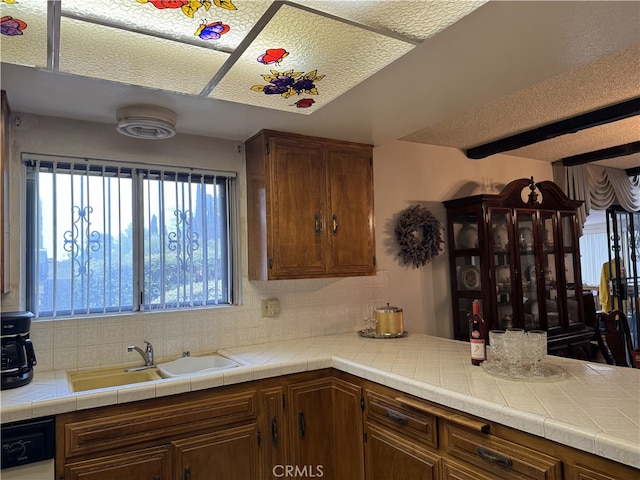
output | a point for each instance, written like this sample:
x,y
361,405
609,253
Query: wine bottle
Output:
x,y
477,335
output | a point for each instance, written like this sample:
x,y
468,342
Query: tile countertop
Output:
x,y
594,407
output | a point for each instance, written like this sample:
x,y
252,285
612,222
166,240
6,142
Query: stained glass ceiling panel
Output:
x,y
287,55
24,33
181,20
285,70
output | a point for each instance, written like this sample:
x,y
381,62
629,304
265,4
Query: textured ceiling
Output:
x,y
503,68
607,81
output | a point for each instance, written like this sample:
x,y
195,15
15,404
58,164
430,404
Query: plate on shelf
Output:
x,y
470,277
526,238
501,238
503,274
467,237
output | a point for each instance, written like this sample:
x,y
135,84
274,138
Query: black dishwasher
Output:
x,y
27,442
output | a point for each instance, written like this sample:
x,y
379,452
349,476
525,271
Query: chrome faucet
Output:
x,y
146,354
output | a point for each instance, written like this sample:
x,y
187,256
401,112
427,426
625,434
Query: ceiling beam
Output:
x,y
603,154
612,113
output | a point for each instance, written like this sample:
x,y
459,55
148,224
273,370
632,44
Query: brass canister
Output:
x,y
389,320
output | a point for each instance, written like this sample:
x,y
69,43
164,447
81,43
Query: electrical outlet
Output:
x,y
270,307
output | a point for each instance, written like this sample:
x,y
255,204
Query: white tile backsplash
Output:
x,y
308,308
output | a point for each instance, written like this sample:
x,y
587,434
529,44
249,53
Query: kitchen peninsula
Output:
x,y
593,408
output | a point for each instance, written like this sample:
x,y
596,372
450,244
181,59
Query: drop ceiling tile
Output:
x,y
332,55
168,19
414,20
133,58
24,33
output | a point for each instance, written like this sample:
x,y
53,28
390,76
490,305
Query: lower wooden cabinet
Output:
x,y
323,424
326,428
273,442
231,454
390,456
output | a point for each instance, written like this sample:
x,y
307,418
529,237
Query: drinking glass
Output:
x,y
370,319
528,353
513,344
538,339
496,344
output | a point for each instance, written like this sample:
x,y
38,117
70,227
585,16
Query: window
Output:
x,y
108,237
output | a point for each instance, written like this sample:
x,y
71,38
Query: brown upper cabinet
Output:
x,y
4,193
309,207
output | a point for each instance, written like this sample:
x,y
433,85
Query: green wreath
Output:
x,y
419,235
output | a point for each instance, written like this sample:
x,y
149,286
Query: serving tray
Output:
x,y
367,334
544,372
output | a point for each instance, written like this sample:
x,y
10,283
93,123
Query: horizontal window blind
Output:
x,y
108,237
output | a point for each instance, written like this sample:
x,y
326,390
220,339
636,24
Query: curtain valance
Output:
x,y
599,187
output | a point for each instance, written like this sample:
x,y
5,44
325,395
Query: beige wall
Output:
x,y
308,307
410,173
405,174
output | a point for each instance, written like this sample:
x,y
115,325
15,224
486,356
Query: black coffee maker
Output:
x,y
18,356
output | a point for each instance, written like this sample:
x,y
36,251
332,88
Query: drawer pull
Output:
x,y
396,417
301,425
460,420
494,457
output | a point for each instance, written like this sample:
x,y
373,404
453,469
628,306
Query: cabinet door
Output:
x,y
390,456
350,215
149,464
273,433
348,432
502,242
4,193
297,238
326,428
310,415
231,454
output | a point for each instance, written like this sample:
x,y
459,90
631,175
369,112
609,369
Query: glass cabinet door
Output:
x,y
571,267
527,269
502,265
468,269
549,267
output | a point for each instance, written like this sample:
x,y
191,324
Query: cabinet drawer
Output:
x,y
503,459
152,463
152,426
387,411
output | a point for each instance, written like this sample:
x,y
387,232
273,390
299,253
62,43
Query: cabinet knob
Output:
x,y
318,224
335,224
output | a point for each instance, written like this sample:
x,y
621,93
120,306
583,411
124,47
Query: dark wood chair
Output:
x,y
614,338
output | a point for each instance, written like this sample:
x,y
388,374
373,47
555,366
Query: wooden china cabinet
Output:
x,y
517,252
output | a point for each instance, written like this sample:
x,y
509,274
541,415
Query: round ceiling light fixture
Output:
x,y
144,121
